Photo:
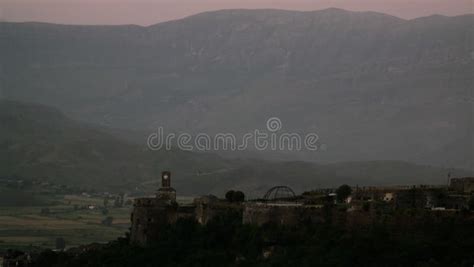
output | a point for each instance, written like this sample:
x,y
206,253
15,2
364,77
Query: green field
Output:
x,y
69,217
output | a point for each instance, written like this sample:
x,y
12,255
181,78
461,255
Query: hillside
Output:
x,y
40,142
357,79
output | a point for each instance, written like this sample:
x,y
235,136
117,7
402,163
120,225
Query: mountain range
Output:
x,y
372,86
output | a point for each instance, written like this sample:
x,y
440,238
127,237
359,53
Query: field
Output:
x,y
76,218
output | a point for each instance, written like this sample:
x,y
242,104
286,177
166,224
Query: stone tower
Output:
x,y
166,179
166,192
151,214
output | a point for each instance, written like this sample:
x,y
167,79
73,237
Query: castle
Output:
x,y
150,214
282,206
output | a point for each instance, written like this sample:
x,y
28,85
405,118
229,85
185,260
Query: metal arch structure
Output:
x,y
275,192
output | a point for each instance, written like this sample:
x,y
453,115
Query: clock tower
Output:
x,y
166,179
166,192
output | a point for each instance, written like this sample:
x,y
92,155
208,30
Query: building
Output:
x,y
151,214
207,208
16,258
281,206
462,185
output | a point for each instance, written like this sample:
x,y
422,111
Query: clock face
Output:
x,y
165,177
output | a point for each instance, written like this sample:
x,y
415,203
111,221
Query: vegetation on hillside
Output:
x,y
37,142
226,242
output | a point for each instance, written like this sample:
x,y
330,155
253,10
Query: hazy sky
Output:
x,y
146,12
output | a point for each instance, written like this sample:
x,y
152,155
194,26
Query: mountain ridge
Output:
x,y
330,9
355,81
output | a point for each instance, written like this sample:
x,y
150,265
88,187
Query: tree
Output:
x,y
343,192
235,196
229,195
118,203
239,196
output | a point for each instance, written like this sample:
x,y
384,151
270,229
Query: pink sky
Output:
x,y
146,12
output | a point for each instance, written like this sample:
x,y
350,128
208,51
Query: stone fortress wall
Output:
x,y
281,206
